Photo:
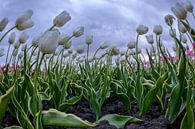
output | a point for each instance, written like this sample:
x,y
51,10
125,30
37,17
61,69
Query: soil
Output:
x,y
153,119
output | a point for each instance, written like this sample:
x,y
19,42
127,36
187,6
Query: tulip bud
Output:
x,y
35,40
12,38
15,52
80,50
158,29
68,44
181,27
24,21
78,32
23,37
142,29
2,52
188,6
17,45
70,51
66,55
61,19
89,40
114,51
183,38
24,47
169,20
49,41
131,45
103,45
63,39
179,11
3,23
150,39
74,55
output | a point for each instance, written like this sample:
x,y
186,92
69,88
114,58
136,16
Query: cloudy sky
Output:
x,y
113,21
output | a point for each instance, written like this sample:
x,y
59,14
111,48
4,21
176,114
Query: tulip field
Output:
x,y
45,84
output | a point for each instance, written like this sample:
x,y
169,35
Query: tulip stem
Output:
x,y
7,33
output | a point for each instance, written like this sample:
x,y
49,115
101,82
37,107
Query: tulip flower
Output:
x,y
78,32
188,6
150,39
12,38
24,21
169,19
61,19
103,45
68,44
80,49
89,40
131,45
179,11
23,37
183,38
181,27
49,41
63,39
158,29
3,23
142,29
35,40
17,45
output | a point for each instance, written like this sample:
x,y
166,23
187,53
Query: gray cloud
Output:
x,y
113,21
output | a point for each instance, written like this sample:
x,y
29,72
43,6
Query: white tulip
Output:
x,y
24,47
61,19
114,51
89,40
169,20
49,41
63,39
3,23
66,55
78,32
158,29
68,44
15,52
12,38
23,37
24,21
150,39
142,29
35,40
70,51
103,45
2,52
80,49
179,11
181,27
131,45
17,45
188,6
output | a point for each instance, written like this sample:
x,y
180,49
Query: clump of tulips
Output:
x,y
49,71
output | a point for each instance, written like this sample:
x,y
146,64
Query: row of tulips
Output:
x,y
50,72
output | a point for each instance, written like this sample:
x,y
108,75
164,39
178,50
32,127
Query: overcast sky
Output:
x,y
113,21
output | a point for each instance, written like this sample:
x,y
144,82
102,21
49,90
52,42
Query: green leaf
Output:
x,y
66,105
14,127
152,93
119,120
4,100
56,118
126,101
